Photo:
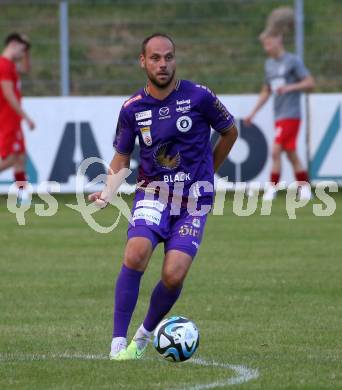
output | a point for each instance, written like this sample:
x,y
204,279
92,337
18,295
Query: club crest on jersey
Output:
x,y
184,123
165,157
146,135
196,223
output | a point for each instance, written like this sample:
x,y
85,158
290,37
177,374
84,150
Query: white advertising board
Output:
x,y
70,129
325,137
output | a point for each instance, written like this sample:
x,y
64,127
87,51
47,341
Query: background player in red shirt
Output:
x,y
14,58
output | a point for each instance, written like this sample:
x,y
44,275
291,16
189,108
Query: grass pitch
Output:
x,y
265,292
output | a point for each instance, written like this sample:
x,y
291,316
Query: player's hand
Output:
x,y
284,89
30,123
97,200
248,120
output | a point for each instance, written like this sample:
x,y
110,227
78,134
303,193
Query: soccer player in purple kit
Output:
x,y
172,119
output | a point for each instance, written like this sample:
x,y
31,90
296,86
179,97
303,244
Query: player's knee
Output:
x,y
136,257
19,161
276,154
292,156
10,160
172,280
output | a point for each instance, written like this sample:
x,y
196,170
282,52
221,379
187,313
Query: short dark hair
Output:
x,y
154,35
16,37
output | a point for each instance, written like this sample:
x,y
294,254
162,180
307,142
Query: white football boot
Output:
x,y
270,193
118,347
305,192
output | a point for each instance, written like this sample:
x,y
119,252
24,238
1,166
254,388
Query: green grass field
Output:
x,y
265,292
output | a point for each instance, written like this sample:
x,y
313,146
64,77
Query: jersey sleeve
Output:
x,y
217,115
300,69
125,135
6,72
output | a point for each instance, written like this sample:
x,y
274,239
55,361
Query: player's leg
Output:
x,y
7,155
290,145
295,162
20,176
300,173
186,233
271,190
143,237
6,162
137,254
165,294
276,163
9,147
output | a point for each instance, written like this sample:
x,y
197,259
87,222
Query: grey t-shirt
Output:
x,y
287,69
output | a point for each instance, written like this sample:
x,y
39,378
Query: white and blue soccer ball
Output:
x,y
176,339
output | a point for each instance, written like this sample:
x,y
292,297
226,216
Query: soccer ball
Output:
x,y
176,339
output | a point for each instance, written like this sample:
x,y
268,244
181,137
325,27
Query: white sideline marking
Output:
x,y
243,373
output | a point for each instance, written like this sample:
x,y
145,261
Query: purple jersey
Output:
x,y
174,134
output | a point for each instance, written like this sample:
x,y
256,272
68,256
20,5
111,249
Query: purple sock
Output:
x,y
126,296
162,300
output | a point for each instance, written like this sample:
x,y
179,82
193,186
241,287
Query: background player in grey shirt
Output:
x,y
286,77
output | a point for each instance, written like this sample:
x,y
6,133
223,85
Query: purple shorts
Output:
x,y
153,220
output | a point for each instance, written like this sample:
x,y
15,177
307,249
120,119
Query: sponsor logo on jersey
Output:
x,y
184,101
146,135
196,223
145,123
183,109
221,108
143,115
151,215
131,100
186,230
180,106
179,176
195,244
184,123
164,113
154,204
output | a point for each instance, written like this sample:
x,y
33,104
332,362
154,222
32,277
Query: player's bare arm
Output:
x,y
263,97
305,85
9,94
113,181
224,145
